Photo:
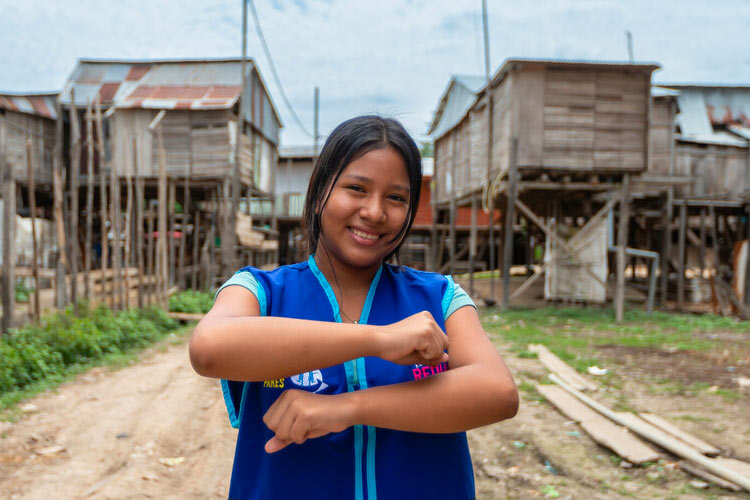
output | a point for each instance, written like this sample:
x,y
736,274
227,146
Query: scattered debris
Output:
x,y
122,435
172,461
574,434
595,370
625,464
704,474
701,485
693,441
519,444
743,382
550,468
29,407
549,491
150,476
51,451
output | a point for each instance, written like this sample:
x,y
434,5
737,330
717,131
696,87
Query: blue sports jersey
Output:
x,y
362,462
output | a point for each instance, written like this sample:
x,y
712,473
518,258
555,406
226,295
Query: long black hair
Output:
x,y
351,140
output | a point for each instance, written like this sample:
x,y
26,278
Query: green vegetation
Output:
x,y
22,292
574,333
66,342
191,301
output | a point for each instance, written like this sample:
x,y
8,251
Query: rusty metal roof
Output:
x,y
157,84
713,114
33,104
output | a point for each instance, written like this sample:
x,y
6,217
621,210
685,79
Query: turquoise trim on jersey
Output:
x,y
448,295
356,379
234,417
460,299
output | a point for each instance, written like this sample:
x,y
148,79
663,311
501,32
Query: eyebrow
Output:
x,y
362,178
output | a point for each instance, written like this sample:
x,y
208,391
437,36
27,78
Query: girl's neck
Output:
x,y
349,279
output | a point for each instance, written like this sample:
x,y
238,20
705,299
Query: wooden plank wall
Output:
x,y
719,170
41,131
660,136
595,120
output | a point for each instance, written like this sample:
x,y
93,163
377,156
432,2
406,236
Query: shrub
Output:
x,y
191,301
73,337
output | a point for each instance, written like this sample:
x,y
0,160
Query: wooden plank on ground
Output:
x,y
699,444
606,433
559,367
737,466
697,471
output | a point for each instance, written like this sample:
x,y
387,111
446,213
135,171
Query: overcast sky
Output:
x,y
393,57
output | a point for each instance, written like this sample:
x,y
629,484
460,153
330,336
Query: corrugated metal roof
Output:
x,y
457,99
166,84
298,151
33,104
713,114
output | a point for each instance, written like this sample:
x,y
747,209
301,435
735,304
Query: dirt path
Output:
x,y
115,426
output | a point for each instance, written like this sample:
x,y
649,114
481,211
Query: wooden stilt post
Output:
x,y
170,233
622,243
226,228
89,200
702,251
128,229
138,222
715,239
681,255
61,295
75,173
103,204
114,215
472,243
211,272
196,243
36,309
452,215
666,244
185,212
9,224
153,279
162,254
509,218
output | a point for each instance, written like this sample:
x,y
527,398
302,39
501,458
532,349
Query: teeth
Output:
x,y
364,235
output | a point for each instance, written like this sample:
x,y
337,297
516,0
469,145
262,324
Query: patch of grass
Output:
x,y
693,418
574,333
527,354
529,391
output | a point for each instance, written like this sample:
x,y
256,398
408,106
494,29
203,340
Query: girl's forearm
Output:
x,y
262,348
462,398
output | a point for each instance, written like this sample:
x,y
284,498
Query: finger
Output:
x,y
275,444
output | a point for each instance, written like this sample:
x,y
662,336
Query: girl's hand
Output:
x,y
414,340
297,416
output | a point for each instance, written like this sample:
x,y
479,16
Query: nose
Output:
x,y
373,210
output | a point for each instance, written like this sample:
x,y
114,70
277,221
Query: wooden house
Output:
x,y
201,99
29,117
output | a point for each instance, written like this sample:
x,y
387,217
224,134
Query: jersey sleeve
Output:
x,y
234,391
455,298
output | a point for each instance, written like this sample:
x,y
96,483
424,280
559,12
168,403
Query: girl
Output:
x,y
350,378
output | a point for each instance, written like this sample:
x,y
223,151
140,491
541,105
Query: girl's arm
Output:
x,y
477,390
234,342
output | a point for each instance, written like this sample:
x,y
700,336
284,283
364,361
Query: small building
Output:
x,y
29,117
201,99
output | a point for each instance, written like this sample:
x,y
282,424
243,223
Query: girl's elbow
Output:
x,y
202,355
507,400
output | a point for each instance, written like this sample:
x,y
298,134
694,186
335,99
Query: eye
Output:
x,y
398,197
356,187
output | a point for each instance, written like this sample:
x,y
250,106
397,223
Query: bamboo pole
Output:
x,y
36,309
103,202
75,172
681,255
138,222
170,234
196,244
185,213
153,283
114,215
89,199
666,244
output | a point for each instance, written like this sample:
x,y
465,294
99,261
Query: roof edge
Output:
x,y
84,60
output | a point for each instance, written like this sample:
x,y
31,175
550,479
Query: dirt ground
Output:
x,y
157,430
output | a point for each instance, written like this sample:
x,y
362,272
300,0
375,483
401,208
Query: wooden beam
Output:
x,y
196,244
702,248
161,261
36,309
61,295
89,200
150,259
138,223
9,224
681,256
114,215
103,201
170,233
510,216
128,228
622,243
75,173
472,244
666,248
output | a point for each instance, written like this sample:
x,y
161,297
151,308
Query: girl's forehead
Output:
x,y
378,164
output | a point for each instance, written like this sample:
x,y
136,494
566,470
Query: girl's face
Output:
x,y
366,209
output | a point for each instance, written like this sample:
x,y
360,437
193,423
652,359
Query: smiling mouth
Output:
x,y
362,234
